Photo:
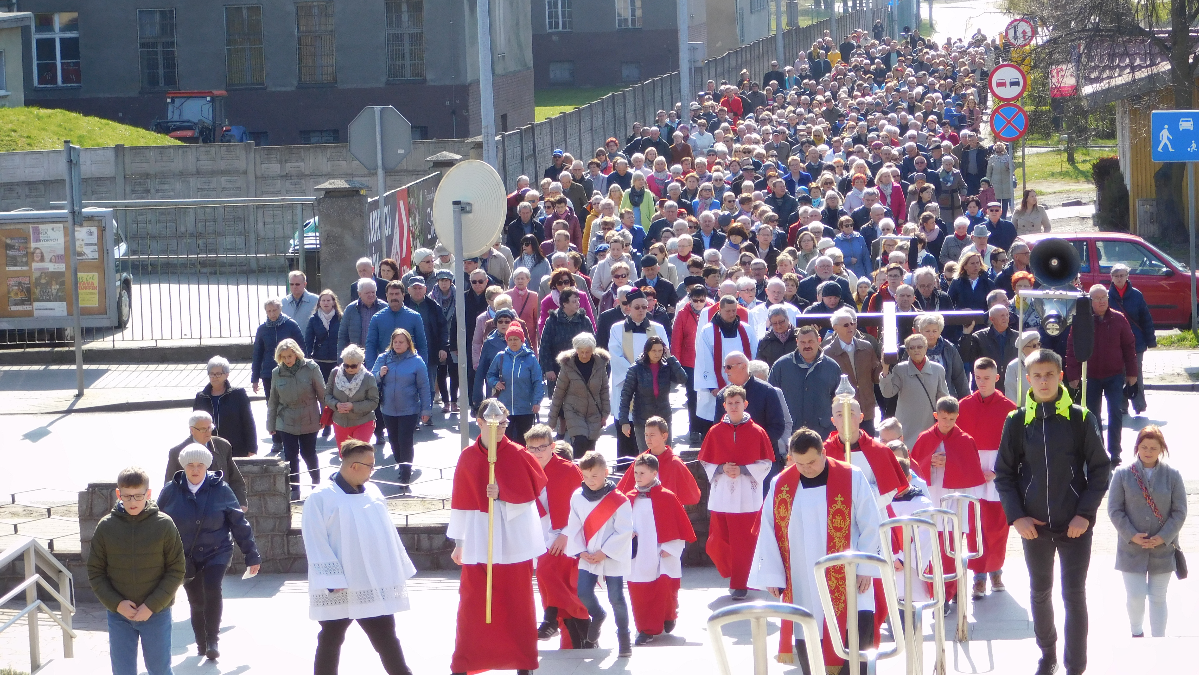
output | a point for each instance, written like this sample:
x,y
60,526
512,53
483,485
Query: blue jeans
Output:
x,y
155,634
616,598
1113,390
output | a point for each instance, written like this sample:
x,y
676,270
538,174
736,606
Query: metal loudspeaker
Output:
x,y
1055,264
478,189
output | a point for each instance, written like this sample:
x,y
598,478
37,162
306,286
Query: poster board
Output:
x,y
37,255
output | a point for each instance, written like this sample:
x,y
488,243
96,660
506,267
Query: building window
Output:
x,y
405,39
259,137
315,50
156,42
631,72
420,133
558,15
56,49
315,136
629,13
245,64
3,79
562,72
758,5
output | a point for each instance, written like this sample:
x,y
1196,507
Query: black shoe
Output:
x,y
588,644
593,631
326,431
643,639
201,648
737,593
1116,461
295,494
1047,665
624,646
211,652
669,625
547,630
1139,635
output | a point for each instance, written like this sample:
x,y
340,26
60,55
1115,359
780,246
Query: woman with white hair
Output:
x,y
1015,386
580,406
293,411
229,409
352,393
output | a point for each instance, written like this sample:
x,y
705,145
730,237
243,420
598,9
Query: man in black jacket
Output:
x,y
435,328
1052,473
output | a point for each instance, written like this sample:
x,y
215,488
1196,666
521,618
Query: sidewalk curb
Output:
x,y
1185,387
60,356
128,406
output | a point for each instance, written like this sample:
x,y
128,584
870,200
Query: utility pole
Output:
x,y
779,32
685,61
487,109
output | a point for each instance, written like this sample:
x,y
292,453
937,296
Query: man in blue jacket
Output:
x,y
274,330
395,315
516,376
1124,298
435,326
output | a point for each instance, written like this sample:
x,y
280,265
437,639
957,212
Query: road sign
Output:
x,y
1019,32
1173,135
1009,122
395,136
1007,82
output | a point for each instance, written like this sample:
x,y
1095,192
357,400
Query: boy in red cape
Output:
x,y
661,531
672,472
557,574
816,506
946,457
509,642
981,416
737,456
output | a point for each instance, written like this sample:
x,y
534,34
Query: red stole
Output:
x,y
983,418
600,514
563,479
888,474
674,476
518,474
962,468
721,444
670,520
718,350
839,502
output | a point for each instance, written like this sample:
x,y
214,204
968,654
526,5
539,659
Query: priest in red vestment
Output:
x,y
673,473
981,415
737,456
509,642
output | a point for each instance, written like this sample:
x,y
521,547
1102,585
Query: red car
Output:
x,y
1161,279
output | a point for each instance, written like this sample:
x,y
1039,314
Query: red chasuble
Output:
x,y
888,474
839,502
962,458
742,444
674,475
719,349
518,474
563,479
671,522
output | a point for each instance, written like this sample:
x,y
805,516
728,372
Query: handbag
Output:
x,y
326,417
1181,570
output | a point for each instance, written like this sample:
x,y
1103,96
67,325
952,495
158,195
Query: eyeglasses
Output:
x,y
848,324
993,210
133,498
369,467
731,367
540,448
620,276
503,322
564,282
350,366
203,430
477,282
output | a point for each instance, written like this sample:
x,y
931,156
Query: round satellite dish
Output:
x,y
476,183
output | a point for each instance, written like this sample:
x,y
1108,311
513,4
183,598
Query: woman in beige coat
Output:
x,y
581,397
918,383
1030,217
292,410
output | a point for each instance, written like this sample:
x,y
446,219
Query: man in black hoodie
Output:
x,y
1051,473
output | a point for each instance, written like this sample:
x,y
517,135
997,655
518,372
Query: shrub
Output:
x,y
1112,204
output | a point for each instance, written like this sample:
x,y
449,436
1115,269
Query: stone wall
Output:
x,y
94,503
694,554
270,516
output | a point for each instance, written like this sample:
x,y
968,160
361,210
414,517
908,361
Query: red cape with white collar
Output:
x,y
888,474
674,475
962,458
671,522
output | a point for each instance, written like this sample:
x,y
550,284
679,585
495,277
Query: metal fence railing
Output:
x,y
197,270
526,151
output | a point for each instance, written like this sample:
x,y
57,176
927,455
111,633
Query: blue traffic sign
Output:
x,y
1009,122
1173,136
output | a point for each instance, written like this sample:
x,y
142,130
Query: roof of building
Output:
x,y
1125,70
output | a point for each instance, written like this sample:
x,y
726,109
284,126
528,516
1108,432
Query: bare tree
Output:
x,y
1131,39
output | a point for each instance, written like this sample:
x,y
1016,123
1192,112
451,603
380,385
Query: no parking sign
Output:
x,y
1009,122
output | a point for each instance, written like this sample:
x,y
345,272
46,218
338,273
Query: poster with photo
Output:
x,y
18,294
16,253
86,246
89,289
49,292
47,251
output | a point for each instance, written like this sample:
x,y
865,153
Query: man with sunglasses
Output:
x,y
1001,233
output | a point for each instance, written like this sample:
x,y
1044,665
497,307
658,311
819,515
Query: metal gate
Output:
x,y
197,271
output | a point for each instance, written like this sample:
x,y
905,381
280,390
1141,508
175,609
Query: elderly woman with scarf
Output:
x,y
444,295
352,393
320,336
640,200
560,280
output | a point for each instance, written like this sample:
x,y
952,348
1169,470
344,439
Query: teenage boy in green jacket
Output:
x,y
135,565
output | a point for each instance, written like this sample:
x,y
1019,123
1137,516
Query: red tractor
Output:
x,y
198,117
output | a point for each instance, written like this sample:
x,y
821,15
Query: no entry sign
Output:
x,y
1007,82
1009,122
1019,32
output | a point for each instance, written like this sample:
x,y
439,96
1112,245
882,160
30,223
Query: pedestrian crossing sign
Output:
x,y
1174,135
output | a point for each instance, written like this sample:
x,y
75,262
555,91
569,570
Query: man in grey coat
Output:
x,y
299,303
356,318
200,425
808,380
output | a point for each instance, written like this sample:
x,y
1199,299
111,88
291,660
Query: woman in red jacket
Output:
x,y
688,319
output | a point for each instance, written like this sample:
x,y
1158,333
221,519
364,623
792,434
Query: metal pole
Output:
x,y
460,315
1022,165
682,18
487,111
380,178
779,33
31,593
74,220
1192,225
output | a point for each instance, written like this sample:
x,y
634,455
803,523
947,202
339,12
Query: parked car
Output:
x,y
312,249
1161,278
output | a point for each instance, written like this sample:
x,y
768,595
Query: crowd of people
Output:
x,y
727,248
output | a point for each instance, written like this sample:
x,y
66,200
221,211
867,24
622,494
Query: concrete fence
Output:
x,y
526,151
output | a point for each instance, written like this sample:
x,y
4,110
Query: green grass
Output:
x,y
1182,340
550,102
46,129
12,671
1052,165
